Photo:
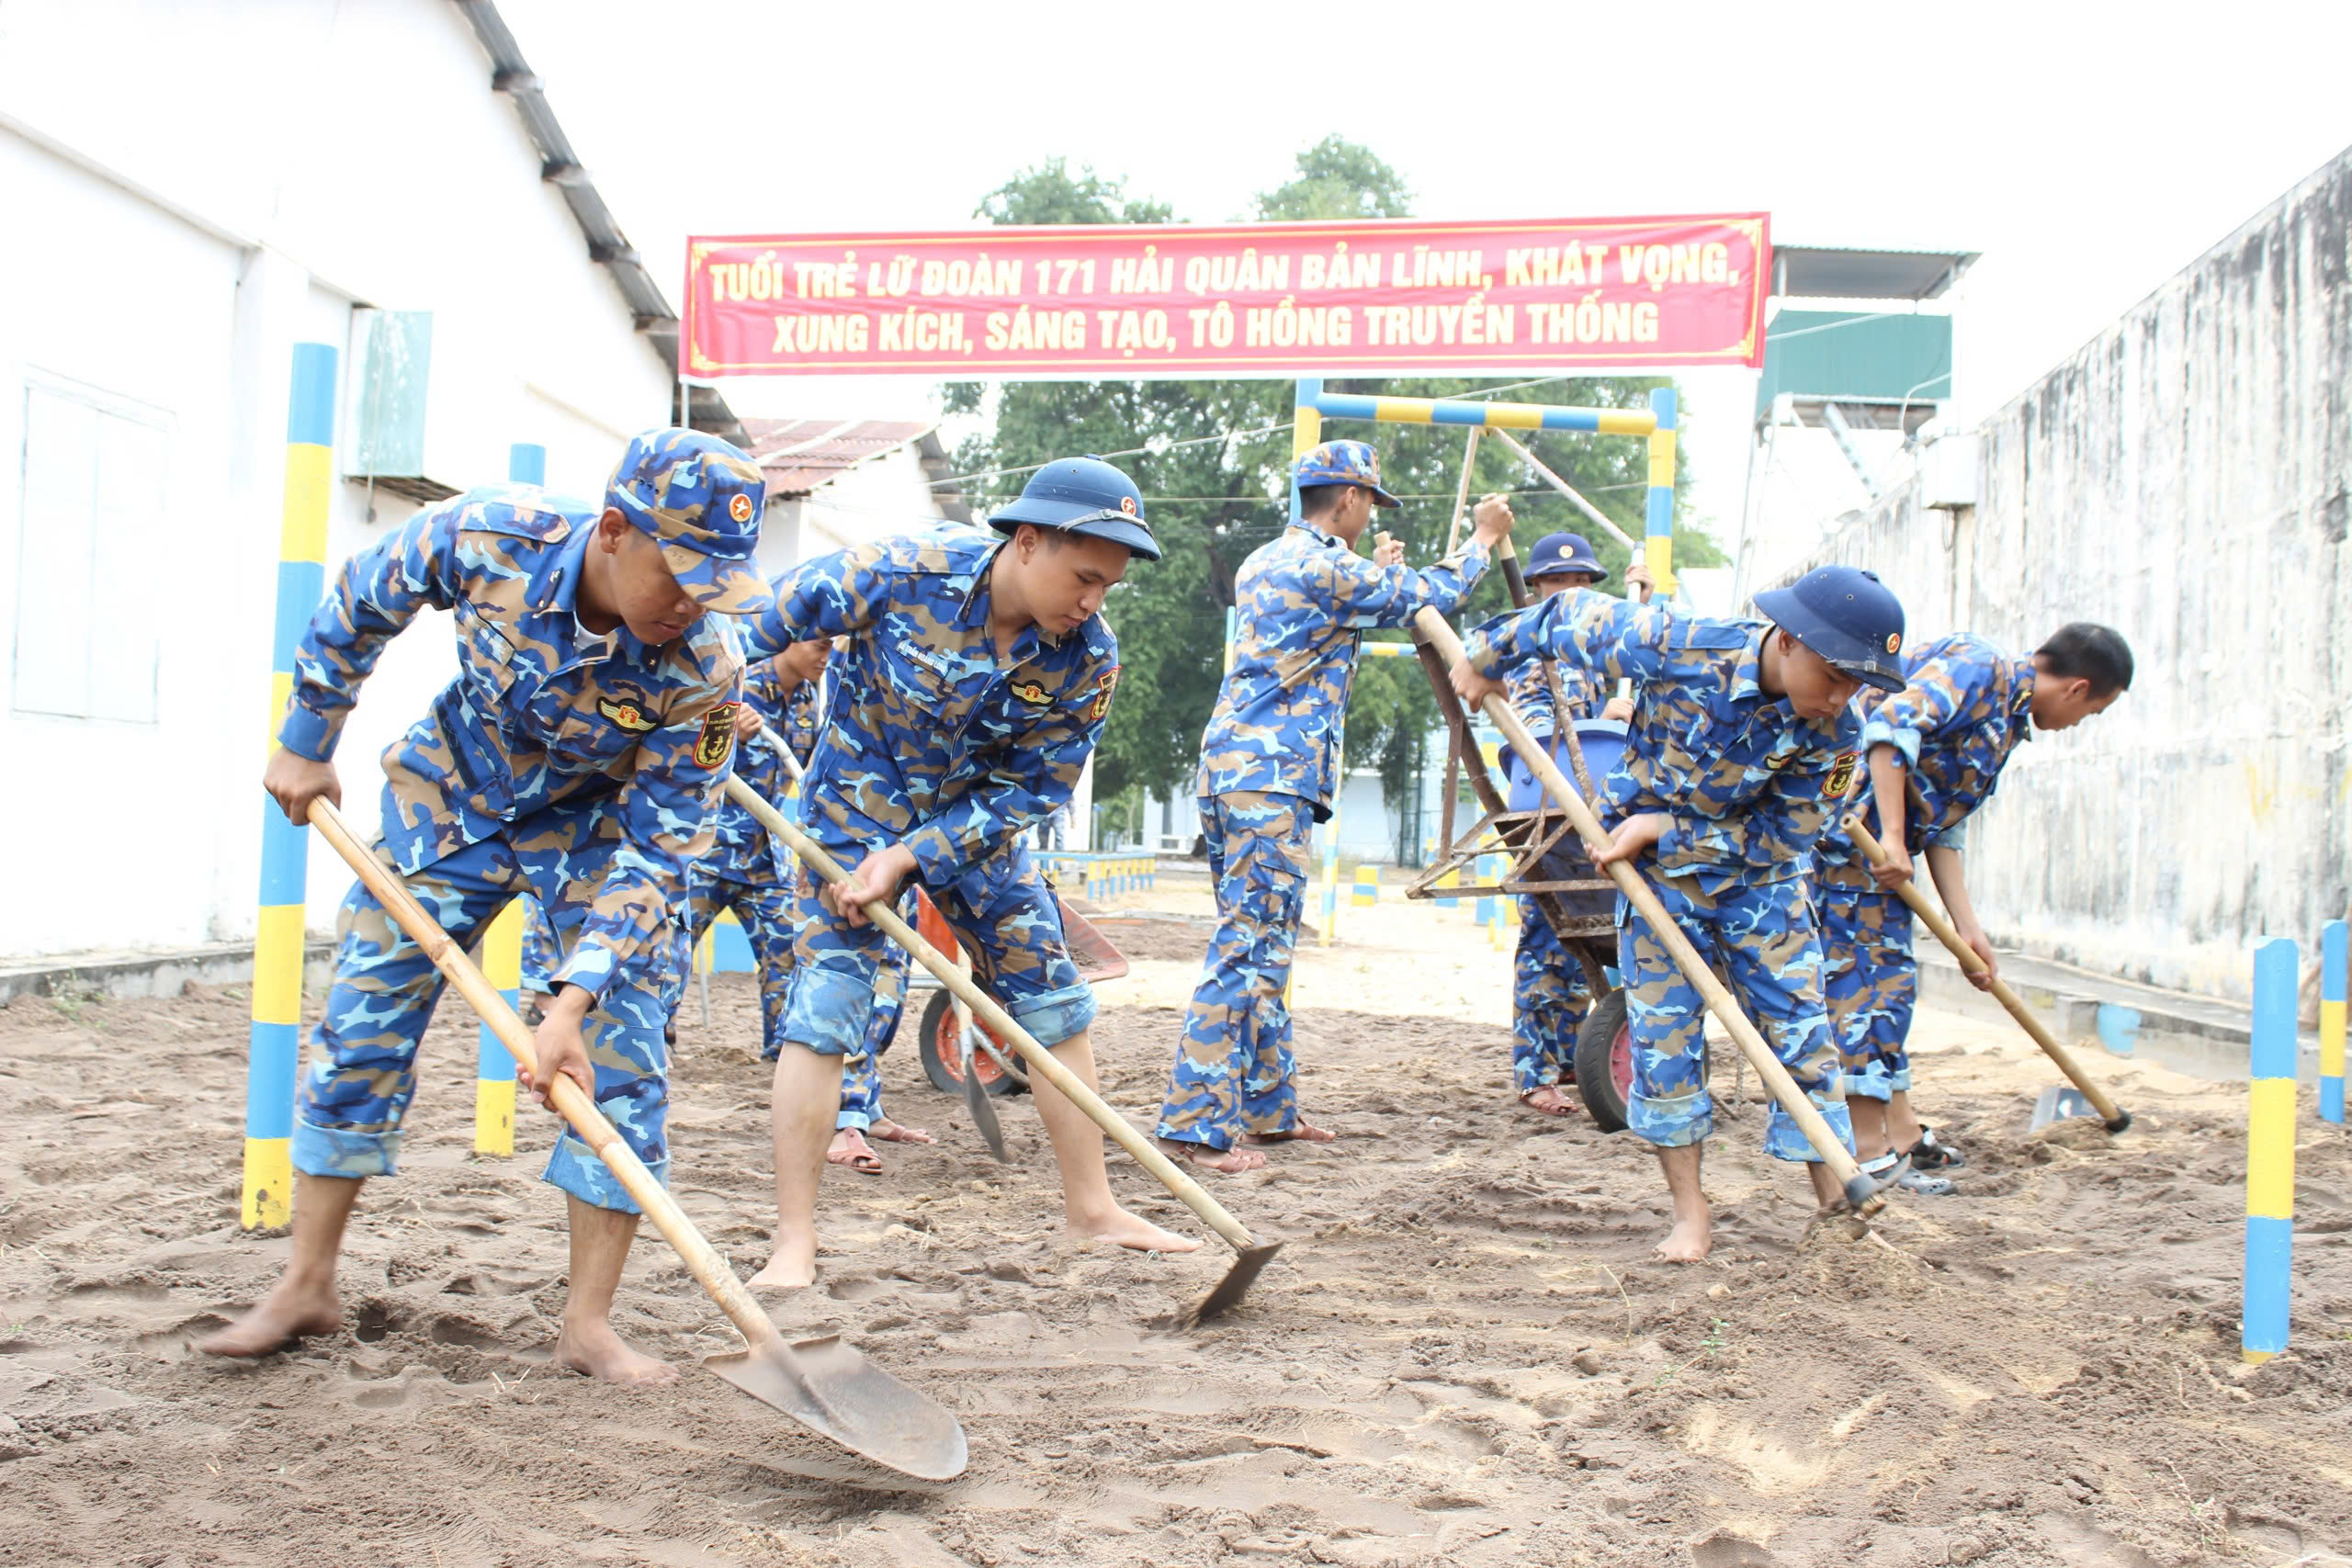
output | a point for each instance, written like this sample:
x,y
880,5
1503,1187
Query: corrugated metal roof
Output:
x,y
607,246
799,455
1819,273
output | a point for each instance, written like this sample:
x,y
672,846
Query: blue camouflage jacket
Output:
x,y
744,851
1964,708
1305,599
1749,784
543,711
930,739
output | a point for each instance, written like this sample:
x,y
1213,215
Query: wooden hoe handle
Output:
x,y
573,1103
1861,1193
2117,1120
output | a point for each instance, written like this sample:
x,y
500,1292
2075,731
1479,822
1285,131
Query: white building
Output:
x,y
381,175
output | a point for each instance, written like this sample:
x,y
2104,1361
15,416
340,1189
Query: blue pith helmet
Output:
x,y
1557,554
1082,495
1344,463
1848,616
700,499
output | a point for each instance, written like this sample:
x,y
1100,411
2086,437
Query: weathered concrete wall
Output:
x,y
2183,478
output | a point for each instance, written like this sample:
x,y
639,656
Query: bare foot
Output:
x,y
1304,1132
889,1132
1228,1162
849,1148
288,1312
594,1349
1689,1242
1132,1231
1548,1099
791,1266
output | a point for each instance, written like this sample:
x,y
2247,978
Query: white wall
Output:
x,y
231,182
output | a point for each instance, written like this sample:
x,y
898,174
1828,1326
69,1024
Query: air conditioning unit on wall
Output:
x,y
1949,470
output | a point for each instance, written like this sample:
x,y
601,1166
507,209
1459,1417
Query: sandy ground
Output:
x,y
1464,1356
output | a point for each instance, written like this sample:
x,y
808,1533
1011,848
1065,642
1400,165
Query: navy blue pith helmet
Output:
x,y
1082,495
1848,616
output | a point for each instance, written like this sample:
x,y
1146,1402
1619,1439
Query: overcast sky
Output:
x,y
2088,151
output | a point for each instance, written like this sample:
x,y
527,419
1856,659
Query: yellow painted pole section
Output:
x,y
501,965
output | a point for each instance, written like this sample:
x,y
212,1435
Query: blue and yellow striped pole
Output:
x,y
1306,435
501,944
1657,535
275,1045
2331,1021
2270,1151
1490,416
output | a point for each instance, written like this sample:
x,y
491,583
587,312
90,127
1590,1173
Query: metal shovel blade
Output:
x,y
2056,1104
828,1387
1248,1264
977,1099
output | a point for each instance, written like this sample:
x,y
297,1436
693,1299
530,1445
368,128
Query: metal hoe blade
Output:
x,y
2056,1104
829,1388
977,1099
1248,1264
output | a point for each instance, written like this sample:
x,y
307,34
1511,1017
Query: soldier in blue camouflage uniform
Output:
x,y
974,685
1743,742
1270,765
576,756
1549,995
1935,750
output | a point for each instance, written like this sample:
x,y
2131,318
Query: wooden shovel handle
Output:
x,y
1908,891
573,1103
1861,1192
1042,1062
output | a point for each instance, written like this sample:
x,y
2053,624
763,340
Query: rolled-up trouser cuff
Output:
x,y
1870,1083
1782,1140
340,1152
1057,1015
827,1010
574,1167
1671,1121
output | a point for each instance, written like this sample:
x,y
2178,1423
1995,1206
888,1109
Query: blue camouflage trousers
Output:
x,y
765,911
1869,978
1763,942
1234,1072
362,1073
1549,999
862,1073
1003,916
542,954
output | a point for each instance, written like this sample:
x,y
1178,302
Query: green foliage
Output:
x,y
1213,460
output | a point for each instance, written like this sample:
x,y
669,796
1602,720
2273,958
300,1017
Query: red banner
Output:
x,y
1401,298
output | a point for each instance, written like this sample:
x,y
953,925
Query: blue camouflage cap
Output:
x,y
1848,616
1344,463
701,499
1557,554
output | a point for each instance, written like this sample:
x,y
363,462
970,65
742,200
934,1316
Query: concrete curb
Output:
x,y
119,972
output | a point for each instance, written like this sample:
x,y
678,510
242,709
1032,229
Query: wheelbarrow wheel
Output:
x,y
1605,1062
943,1058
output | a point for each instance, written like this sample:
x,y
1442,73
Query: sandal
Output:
x,y
1886,1170
1930,1155
1565,1106
1925,1186
858,1156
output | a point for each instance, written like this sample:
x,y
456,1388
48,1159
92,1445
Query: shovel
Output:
x,y
822,1383
1252,1256
2051,1107
1861,1194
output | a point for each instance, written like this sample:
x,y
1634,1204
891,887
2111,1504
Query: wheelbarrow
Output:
x,y
995,1065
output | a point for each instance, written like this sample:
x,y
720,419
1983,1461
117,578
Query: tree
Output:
x,y
1213,460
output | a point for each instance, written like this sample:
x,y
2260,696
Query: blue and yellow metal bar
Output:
x,y
2331,1020
274,1048
2270,1151
501,944
1492,416
1658,533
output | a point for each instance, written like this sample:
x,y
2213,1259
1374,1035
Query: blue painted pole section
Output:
x,y
1658,531
526,463
2270,1151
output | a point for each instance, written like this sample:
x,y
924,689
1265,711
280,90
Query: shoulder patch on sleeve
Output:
x,y
1100,707
717,736
1841,774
